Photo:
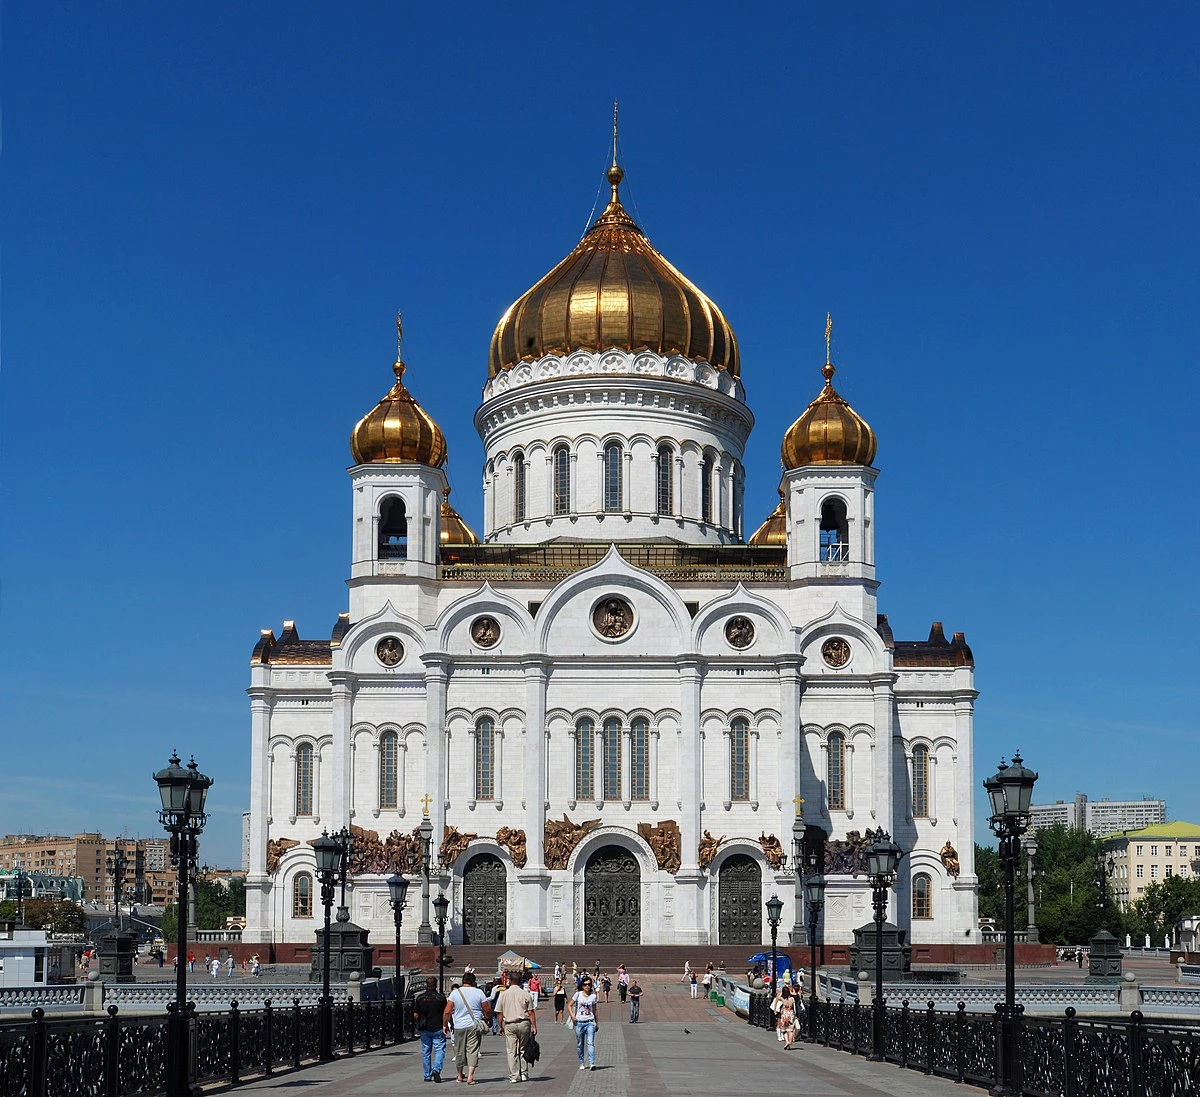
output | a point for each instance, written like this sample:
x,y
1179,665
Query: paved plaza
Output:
x,y
680,1046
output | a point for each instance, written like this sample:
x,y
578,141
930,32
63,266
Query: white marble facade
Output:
x,y
722,727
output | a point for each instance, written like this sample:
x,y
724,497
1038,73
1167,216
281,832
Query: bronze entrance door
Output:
x,y
485,899
739,885
612,898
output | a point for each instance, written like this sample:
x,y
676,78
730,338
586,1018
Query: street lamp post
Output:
x,y
883,857
397,892
816,900
797,934
183,792
1010,791
329,864
425,932
774,914
115,866
441,906
345,841
1029,844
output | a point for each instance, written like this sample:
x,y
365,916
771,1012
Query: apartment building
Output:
x,y
1142,857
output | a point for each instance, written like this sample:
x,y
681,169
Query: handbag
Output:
x,y
481,1026
569,1023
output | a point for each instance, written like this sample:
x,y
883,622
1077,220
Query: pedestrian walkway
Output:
x,y
681,1046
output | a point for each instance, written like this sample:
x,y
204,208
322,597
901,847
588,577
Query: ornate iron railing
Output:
x,y
115,1054
1063,1056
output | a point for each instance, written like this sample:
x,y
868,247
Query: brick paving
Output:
x,y
681,1046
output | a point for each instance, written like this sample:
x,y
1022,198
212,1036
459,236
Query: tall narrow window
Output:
x,y
302,896
639,759
304,779
393,529
562,480
706,489
739,760
920,779
665,495
612,476
835,532
922,896
389,754
612,759
837,772
585,760
518,487
485,759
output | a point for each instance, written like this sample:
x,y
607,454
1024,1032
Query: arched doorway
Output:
x,y
612,898
485,901
739,886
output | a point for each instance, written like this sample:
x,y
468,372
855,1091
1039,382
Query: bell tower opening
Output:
x,y
835,532
393,529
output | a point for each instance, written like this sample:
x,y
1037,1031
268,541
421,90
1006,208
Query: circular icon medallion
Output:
x,y
389,651
739,631
485,631
835,651
612,617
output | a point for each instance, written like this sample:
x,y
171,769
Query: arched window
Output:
x,y
302,896
304,779
393,529
706,489
518,487
639,759
585,760
612,759
836,777
922,896
835,532
920,782
389,756
612,476
485,759
562,480
665,495
739,760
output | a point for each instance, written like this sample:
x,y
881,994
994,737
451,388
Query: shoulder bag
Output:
x,y
481,1026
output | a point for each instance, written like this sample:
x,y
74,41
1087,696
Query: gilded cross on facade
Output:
x,y
426,800
798,800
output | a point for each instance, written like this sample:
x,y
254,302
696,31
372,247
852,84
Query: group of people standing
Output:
x,y
468,1013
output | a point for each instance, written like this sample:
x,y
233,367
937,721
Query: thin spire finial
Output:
x,y
827,370
615,174
398,367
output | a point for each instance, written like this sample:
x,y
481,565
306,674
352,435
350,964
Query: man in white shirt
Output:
x,y
518,1023
466,1005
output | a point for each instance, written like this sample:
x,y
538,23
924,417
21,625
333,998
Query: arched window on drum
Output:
x,y
304,779
922,896
302,896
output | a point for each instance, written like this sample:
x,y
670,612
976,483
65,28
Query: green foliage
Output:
x,y
169,923
214,903
1163,904
57,916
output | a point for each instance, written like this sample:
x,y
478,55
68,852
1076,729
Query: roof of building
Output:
x,y
1175,829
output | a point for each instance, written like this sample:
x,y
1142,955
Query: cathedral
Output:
x,y
613,716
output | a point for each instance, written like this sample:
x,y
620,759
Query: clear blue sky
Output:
x,y
211,212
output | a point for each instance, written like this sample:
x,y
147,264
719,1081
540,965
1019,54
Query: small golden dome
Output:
x,y
773,532
614,290
454,530
830,432
398,430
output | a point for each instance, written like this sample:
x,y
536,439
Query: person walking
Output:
x,y
216,966
518,1024
635,1001
429,1011
560,1000
606,986
229,966
535,989
467,1006
695,984
687,971
582,1008
786,1018
622,982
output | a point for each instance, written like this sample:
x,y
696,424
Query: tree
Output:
x,y
56,916
1163,904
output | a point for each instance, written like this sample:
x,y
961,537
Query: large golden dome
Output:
x,y
398,430
830,432
614,290
773,532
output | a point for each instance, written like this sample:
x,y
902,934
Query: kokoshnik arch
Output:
x,y
614,704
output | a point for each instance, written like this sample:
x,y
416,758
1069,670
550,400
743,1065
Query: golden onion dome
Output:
x,y
773,532
614,290
454,531
398,430
830,432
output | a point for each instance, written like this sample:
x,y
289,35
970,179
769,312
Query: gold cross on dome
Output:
x,y
798,800
425,801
